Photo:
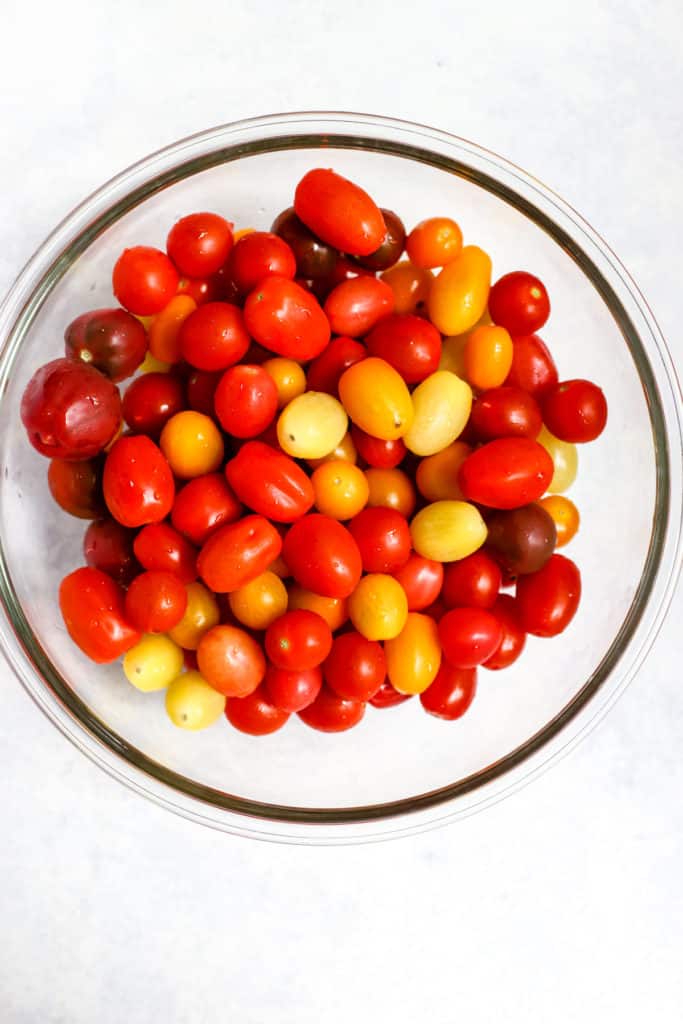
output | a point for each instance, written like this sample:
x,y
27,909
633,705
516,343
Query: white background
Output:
x,y
565,902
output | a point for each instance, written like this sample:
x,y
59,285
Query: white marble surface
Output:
x,y
563,903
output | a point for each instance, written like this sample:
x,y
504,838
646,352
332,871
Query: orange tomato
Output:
x,y
289,377
437,475
434,242
564,514
458,297
378,607
344,452
487,357
341,489
334,610
201,614
192,444
411,286
391,488
376,398
259,602
414,656
165,328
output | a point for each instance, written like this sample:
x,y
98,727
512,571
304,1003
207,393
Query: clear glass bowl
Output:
x,y
400,771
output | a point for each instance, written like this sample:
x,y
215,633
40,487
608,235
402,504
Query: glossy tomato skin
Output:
x,y
323,556
339,212
150,401
513,639
324,372
390,249
77,487
155,601
469,636
286,319
92,608
298,640
201,289
70,410
383,539
473,582
255,714
257,255
575,411
519,302
533,368
203,505
330,713
547,600
315,259
378,453
355,668
201,388
159,547
506,473
245,400
293,690
108,546
144,280
214,337
388,697
200,243
231,660
451,693
505,411
138,483
355,306
523,539
407,342
111,340
237,553
270,482
421,579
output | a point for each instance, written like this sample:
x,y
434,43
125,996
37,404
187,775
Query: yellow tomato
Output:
x,y
146,321
565,515
411,286
414,656
152,365
334,610
378,607
200,615
488,357
164,332
437,475
192,704
311,425
289,377
259,602
459,294
344,452
442,404
565,460
391,488
192,444
376,398
341,489
447,530
153,663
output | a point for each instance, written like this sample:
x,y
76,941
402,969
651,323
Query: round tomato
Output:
x,y
191,703
437,475
312,425
323,556
513,639
259,602
201,614
246,400
288,377
314,258
341,489
391,488
270,482
201,387
378,453
523,538
575,411
411,286
203,505
421,579
231,660
161,548
150,401
383,539
108,546
506,473
414,655
286,319
326,369
137,483
408,343
330,713
434,242
192,444
214,337
339,212
447,530
333,610
298,640
565,515
77,487
469,636
355,306
472,582
388,697
355,667
506,412
533,368
293,690
237,553
200,289
199,244
144,280
155,601
391,246
547,600
92,608
519,302
451,693
255,714
257,255
111,340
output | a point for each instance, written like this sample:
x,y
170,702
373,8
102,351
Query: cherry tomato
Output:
x,y
237,553
565,515
332,609
144,280
408,343
298,640
459,294
288,377
70,410
214,337
191,703
255,714
286,319
164,331
411,286
246,400
150,401
326,369
161,548
547,600
472,582
339,212
523,539
451,693
137,483
155,602
201,289
519,302
111,340
312,425
383,539
487,357
391,488
506,473
341,489
533,368
153,663
414,656
314,258
201,388
203,505
377,399
77,487
447,530
441,409
391,246
257,255
437,475
201,615
108,546
506,412
330,713
92,608
469,636
355,667
293,690
421,579
269,482
344,452
323,556
378,453
259,602
200,243
192,444
378,607
231,660
575,411
513,638
354,307
565,461
434,242
388,697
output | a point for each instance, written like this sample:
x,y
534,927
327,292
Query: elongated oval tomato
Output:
x,y
355,306
459,294
324,372
533,368
330,713
323,556
238,553
160,547
414,656
407,342
451,693
339,212
513,639
507,473
269,482
203,505
422,579
377,399
441,405
547,600
469,636
92,608
137,482
506,412
286,319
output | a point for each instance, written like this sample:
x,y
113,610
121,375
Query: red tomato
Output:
x,y
77,487
298,640
324,372
344,270
469,636
70,410
421,578
246,400
519,303
505,412
151,400
203,505
330,713
339,212
547,600
111,340
238,553
161,548
355,667
383,539
355,306
201,289
472,582
575,411
270,482
257,255
315,260
388,697
378,453
323,556
137,483
92,608
286,319
155,602
200,243
391,247
214,337
255,714
201,388
507,473
108,546
231,660
144,280
408,343
533,368
292,690
451,693
513,639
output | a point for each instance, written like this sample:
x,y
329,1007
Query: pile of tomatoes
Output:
x,y
337,478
